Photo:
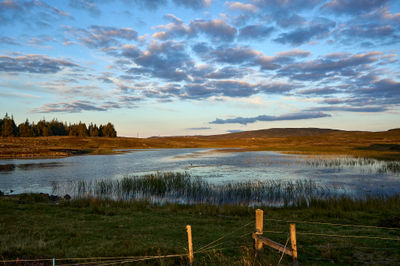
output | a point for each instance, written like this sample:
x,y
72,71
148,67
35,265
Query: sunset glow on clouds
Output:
x,y
181,67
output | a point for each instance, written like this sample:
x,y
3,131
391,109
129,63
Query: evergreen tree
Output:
x,y
82,130
57,128
66,128
73,130
25,129
54,128
101,130
9,129
43,128
109,131
35,130
93,130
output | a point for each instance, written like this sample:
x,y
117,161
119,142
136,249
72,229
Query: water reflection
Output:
x,y
7,167
352,175
28,166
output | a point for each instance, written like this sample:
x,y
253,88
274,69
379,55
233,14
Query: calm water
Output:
x,y
216,166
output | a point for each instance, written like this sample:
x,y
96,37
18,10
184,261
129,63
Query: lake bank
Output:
x,y
381,145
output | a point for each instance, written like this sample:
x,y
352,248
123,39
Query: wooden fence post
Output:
x,y
189,233
293,243
258,245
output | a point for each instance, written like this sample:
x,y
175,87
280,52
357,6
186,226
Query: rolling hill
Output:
x,y
382,145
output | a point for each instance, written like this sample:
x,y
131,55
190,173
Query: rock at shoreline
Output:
x,y
54,198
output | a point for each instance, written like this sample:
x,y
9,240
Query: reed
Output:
x,y
364,164
170,187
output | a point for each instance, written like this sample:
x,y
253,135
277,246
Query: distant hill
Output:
x,y
277,132
394,131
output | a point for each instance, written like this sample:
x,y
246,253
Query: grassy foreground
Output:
x,y
32,226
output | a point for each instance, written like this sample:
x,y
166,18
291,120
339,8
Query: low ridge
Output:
x,y
279,132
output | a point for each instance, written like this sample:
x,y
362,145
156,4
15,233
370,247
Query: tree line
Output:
x,y
43,128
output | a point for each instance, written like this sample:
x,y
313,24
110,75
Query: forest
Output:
x,y
43,128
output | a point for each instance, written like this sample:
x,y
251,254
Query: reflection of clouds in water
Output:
x,y
216,165
206,153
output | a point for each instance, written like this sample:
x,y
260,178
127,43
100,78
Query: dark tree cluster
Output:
x,y
43,128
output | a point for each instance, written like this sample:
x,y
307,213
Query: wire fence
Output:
x,y
332,224
224,242
332,235
377,253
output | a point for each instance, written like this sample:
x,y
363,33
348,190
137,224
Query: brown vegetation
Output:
x,y
383,145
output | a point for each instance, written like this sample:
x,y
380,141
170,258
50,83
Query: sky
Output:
x,y
202,67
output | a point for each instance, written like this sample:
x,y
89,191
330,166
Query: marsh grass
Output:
x,y
368,165
170,187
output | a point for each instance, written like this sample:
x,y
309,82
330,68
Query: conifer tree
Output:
x,y
73,130
82,130
25,129
9,129
93,130
53,128
109,131
44,129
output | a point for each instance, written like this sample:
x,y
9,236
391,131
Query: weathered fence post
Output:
x,y
260,240
189,233
258,245
293,243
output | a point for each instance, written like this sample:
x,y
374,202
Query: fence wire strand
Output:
x,y
283,251
127,260
222,237
333,224
346,247
349,236
66,259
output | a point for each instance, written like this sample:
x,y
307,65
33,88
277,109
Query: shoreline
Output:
x,y
378,145
393,156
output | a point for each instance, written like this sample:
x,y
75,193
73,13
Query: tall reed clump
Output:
x,y
364,164
183,188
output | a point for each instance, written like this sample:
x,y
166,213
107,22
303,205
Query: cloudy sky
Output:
x,y
186,67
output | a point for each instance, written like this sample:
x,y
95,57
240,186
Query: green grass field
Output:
x,y
32,227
